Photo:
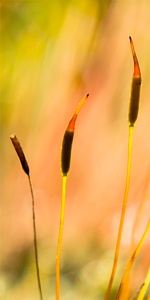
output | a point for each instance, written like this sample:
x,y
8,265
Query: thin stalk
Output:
x,y
59,245
35,240
131,261
122,213
26,169
65,167
132,117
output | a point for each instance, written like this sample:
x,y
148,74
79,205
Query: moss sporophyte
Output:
x,y
132,117
26,169
66,150
65,166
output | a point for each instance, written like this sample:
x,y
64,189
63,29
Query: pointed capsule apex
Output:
x,y
137,72
68,139
71,124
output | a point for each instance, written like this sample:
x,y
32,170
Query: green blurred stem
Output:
x,y
129,266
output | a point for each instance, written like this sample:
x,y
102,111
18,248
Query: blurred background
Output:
x,y
52,54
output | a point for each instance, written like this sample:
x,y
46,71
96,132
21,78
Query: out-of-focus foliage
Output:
x,y
52,54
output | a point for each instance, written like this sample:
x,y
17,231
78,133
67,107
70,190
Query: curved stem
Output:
x,y
144,286
130,263
35,240
122,213
59,245
126,287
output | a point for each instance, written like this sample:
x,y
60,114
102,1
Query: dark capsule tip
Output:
x,y
87,95
12,137
20,153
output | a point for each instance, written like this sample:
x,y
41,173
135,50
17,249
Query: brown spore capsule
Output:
x,y
134,100
68,139
66,151
135,89
20,154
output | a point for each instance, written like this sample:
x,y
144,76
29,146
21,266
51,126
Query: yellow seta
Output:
x,y
132,117
65,166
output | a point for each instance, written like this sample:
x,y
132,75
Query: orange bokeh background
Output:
x,y
52,55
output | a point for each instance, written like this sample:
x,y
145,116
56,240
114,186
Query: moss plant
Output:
x,y
26,169
132,117
65,166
